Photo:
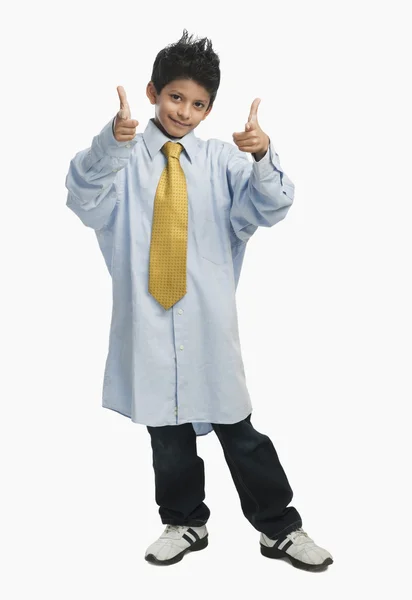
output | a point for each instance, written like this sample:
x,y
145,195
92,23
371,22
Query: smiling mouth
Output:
x,y
177,123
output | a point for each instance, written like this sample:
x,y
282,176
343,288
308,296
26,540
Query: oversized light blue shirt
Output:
x,y
182,365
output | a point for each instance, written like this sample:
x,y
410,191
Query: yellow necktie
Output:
x,y
168,246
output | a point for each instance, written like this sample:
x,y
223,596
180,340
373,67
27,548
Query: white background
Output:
x,y
324,300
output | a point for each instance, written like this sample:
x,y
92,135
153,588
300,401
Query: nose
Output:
x,y
183,113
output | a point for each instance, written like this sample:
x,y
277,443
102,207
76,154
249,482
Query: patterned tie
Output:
x,y
168,246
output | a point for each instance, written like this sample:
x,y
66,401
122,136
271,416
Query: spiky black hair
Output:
x,y
187,59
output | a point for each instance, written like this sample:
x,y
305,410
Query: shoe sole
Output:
x,y
276,553
198,545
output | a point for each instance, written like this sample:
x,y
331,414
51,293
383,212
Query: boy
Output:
x,y
172,215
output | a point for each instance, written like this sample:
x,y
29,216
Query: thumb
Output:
x,y
250,125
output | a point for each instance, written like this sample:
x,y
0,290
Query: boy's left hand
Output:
x,y
253,139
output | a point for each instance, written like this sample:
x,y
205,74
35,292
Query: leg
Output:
x,y
260,480
179,475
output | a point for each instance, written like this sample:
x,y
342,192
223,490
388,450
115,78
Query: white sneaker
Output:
x,y
175,542
298,548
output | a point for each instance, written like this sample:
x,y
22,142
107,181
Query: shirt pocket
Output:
x,y
214,242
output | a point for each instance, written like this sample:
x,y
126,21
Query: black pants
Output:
x,y
260,480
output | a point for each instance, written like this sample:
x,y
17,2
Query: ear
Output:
x,y
207,112
151,92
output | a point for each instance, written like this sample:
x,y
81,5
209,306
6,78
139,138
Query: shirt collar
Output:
x,y
155,139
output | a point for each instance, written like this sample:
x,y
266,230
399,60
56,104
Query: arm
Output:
x,y
261,192
90,181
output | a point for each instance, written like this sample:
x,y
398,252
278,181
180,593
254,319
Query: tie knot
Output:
x,y
172,149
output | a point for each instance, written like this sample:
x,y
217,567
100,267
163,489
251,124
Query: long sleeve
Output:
x,y
261,191
91,179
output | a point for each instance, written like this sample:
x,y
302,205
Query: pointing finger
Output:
x,y
254,109
124,112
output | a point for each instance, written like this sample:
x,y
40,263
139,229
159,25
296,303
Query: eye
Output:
x,y
177,96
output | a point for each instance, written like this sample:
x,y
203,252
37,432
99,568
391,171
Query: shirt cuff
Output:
x,y
109,145
265,165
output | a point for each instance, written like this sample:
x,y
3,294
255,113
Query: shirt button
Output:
x,y
114,170
127,145
180,311
181,347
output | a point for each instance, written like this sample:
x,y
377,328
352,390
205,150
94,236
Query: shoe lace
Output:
x,y
174,528
293,535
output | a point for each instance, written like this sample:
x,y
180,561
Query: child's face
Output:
x,y
182,100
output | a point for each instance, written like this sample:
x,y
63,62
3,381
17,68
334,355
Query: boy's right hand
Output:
x,y
124,125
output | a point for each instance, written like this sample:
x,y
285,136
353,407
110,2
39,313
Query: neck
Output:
x,y
159,126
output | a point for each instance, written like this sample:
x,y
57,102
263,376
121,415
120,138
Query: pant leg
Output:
x,y
260,480
179,475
